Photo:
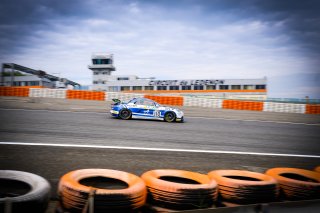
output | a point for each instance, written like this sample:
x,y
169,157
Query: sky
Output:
x,y
183,39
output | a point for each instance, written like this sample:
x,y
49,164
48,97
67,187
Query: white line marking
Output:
x,y
191,117
158,149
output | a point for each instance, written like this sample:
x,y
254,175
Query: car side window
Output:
x,y
149,103
140,102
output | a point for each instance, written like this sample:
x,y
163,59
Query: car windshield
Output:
x,y
144,101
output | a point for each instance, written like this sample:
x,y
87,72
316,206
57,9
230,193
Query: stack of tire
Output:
x,y
23,192
179,189
75,194
317,169
297,184
244,187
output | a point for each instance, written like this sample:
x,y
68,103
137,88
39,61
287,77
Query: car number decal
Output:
x,y
157,113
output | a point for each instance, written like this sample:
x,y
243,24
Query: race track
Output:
x,y
51,143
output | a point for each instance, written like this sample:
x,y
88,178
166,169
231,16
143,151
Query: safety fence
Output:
x,y
14,91
242,105
48,93
178,101
86,95
312,109
202,102
159,190
167,99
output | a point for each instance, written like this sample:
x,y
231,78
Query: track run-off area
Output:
x,y
51,142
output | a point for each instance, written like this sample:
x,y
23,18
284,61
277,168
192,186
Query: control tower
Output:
x,y
102,63
101,67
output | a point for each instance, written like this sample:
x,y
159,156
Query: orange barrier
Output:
x,y
170,100
85,95
245,187
297,184
14,91
242,105
74,193
312,109
179,189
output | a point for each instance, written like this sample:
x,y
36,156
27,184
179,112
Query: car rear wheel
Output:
x,y
169,117
125,114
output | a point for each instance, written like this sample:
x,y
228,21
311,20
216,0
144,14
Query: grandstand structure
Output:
x,y
102,68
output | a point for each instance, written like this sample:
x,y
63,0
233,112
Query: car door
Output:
x,y
149,108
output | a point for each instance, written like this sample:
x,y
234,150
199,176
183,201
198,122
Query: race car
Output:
x,y
143,108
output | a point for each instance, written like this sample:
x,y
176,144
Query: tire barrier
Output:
x,y
23,192
14,91
312,109
317,169
103,190
242,105
297,184
86,95
170,100
245,187
178,189
75,195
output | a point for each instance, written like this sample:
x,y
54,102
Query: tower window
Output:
x,y
101,61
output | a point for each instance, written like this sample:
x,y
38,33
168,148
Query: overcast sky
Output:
x,y
200,39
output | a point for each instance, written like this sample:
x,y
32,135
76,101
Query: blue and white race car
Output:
x,y
143,108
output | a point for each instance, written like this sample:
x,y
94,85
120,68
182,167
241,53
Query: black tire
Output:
x,y
170,117
125,114
24,192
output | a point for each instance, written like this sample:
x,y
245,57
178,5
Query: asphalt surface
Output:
x,y
196,133
241,139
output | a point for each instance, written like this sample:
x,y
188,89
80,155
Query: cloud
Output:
x,y
199,39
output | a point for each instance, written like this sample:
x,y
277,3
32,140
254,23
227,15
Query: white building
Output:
x,y
18,75
103,80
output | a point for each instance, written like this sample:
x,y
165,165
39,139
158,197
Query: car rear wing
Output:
x,y
116,101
